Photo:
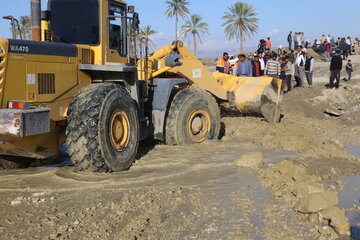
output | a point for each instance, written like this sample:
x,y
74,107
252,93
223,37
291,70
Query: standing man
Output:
x,y
262,64
223,64
273,68
302,39
322,39
288,70
338,43
256,66
244,68
309,68
328,38
295,40
289,39
268,44
335,69
327,51
348,41
299,67
344,48
332,42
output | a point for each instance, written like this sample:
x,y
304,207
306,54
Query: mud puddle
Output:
x,y
232,203
162,166
349,197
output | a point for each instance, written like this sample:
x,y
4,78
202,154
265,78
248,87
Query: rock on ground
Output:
x,y
338,220
316,202
250,160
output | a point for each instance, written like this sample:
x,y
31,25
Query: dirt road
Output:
x,y
198,192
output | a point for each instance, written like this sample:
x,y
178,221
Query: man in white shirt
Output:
x,y
262,64
328,38
348,42
299,67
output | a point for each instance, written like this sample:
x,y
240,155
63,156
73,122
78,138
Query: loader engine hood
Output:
x,y
3,61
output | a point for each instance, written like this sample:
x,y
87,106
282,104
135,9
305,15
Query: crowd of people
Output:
x,y
288,66
293,67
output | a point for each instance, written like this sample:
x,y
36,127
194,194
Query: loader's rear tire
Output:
x,y
103,129
193,117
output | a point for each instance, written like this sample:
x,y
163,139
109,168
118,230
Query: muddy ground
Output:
x,y
198,191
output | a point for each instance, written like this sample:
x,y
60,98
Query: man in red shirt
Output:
x,y
327,51
256,66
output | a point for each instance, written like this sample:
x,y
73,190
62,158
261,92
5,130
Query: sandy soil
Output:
x,y
198,192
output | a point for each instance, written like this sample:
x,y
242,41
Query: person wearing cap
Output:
x,y
309,68
244,67
299,67
272,68
256,66
223,64
335,69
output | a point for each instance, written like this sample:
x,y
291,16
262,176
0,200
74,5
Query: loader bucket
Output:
x,y
254,95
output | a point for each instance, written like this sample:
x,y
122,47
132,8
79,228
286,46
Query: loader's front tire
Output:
x,y
103,129
193,117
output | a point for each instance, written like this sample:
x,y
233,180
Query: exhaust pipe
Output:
x,y
36,20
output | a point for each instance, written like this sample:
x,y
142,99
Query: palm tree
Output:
x,y
145,35
240,22
25,27
195,28
175,9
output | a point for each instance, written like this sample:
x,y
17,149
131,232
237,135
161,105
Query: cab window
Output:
x,y
117,28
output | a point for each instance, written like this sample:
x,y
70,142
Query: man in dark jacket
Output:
x,y
289,39
256,66
335,69
344,48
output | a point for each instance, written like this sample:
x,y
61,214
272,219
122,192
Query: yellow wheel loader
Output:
x,y
81,81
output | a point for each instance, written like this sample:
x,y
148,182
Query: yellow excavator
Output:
x,y
84,80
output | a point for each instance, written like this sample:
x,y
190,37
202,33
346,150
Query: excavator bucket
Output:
x,y
254,95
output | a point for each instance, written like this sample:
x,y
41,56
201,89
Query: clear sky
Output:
x,y
277,18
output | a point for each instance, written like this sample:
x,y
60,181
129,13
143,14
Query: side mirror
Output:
x,y
131,9
46,15
173,60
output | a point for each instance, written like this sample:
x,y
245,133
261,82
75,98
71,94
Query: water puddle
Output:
x,y
354,151
349,198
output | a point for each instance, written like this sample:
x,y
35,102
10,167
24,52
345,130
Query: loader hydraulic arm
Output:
x,y
190,68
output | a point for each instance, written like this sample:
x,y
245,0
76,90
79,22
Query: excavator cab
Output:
x,y
107,27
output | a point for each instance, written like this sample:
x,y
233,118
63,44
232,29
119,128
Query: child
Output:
x,y
349,69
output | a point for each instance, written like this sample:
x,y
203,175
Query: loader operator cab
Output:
x,y
95,23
